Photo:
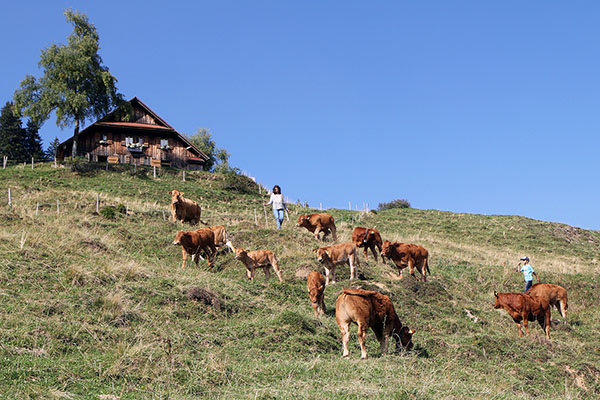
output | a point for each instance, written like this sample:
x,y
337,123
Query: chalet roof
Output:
x,y
161,126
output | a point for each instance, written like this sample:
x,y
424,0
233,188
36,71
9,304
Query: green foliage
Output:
x,y
16,142
52,148
109,212
74,82
398,203
218,159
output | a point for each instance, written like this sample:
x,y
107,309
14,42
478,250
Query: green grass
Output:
x,y
95,306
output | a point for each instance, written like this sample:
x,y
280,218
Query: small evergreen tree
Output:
x,y
52,148
32,142
11,134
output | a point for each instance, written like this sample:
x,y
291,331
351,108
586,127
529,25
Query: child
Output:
x,y
279,206
527,271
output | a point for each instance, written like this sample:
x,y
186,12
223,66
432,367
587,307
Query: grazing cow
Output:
x,y
340,253
258,259
370,309
184,210
315,282
221,238
407,255
523,308
316,223
194,242
556,296
367,238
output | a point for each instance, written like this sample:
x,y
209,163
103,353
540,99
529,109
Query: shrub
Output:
x,y
398,203
108,212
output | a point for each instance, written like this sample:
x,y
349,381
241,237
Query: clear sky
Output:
x,y
466,106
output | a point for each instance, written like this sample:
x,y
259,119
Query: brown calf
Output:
x,y
407,255
523,308
258,259
194,242
370,309
184,210
315,282
340,253
367,238
316,223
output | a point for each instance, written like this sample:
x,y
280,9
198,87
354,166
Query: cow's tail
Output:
x,y
427,264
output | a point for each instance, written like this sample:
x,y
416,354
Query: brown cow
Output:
x,y
407,255
193,242
523,308
315,282
340,253
368,238
221,238
316,223
184,210
556,296
258,259
370,309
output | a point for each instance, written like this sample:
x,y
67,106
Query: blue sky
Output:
x,y
465,106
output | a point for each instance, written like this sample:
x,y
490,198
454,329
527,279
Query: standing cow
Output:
x,y
523,308
184,210
259,259
341,253
367,238
407,255
370,309
316,223
192,243
315,283
221,239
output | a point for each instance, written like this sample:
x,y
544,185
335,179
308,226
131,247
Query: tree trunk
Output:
x,y
75,137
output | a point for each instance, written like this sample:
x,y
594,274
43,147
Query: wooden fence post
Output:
x,y
97,203
9,198
255,218
31,162
154,173
57,207
37,207
55,166
183,175
266,222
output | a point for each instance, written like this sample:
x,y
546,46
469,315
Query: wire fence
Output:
x,y
252,215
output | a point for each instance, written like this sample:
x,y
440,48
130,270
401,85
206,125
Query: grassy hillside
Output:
x,y
97,307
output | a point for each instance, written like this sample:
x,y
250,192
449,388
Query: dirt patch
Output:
x,y
573,234
303,271
94,245
206,296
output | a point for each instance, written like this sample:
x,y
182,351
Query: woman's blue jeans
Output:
x,y
279,214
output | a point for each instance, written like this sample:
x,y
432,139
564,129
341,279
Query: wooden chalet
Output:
x,y
136,136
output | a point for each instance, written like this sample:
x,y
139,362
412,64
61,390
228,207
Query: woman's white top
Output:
x,y
277,200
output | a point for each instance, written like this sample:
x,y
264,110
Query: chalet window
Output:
x,y
164,142
104,137
140,141
128,141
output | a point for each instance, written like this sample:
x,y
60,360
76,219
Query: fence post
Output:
x,y
320,206
37,207
31,162
259,189
97,203
9,198
126,209
255,218
184,175
55,166
135,168
57,208
154,173
350,205
266,222
164,218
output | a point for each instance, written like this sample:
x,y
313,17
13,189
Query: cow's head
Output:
x,y
497,304
181,236
303,220
240,254
322,254
176,196
386,249
404,339
314,293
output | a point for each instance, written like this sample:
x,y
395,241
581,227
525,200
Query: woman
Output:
x,y
279,207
